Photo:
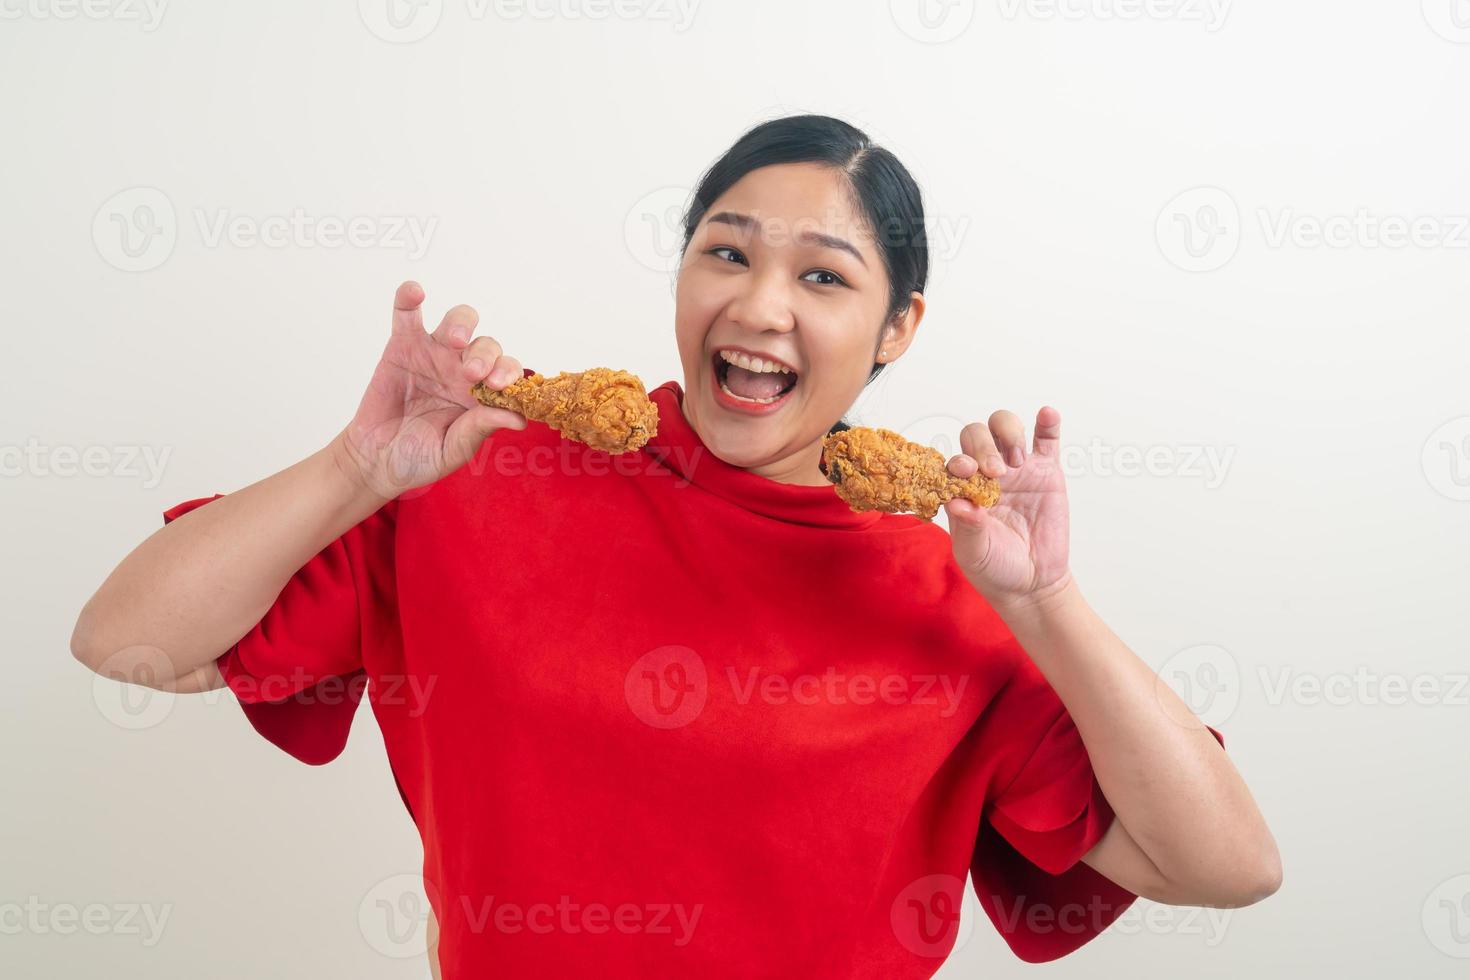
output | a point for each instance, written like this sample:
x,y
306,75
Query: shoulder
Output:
x,y
918,553
919,544
959,615
927,533
490,475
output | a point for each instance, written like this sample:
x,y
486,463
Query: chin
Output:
x,y
739,436
738,448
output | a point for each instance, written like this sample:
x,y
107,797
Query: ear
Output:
x,y
898,333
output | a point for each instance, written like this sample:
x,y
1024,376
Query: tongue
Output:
x,y
755,384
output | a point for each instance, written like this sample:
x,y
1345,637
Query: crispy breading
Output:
x,y
877,469
603,408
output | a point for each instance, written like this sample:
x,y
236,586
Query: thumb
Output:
x,y
466,433
970,528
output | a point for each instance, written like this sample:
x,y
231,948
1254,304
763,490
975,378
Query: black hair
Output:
x,y
884,193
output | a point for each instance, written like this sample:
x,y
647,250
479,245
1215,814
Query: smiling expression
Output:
x,y
780,300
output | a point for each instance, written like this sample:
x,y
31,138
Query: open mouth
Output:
x,y
752,381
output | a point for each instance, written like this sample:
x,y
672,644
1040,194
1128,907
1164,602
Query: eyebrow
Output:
x,y
749,223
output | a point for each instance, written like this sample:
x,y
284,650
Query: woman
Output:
x,y
682,712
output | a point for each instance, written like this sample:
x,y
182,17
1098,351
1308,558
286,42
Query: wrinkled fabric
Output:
x,y
654,715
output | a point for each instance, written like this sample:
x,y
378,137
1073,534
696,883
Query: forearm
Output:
x,y
198,584
1170,784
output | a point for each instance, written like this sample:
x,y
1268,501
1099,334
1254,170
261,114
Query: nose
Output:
x,y
764,305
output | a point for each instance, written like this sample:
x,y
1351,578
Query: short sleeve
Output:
x,y
298,673
1047,812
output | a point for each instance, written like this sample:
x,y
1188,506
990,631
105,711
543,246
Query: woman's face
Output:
x,y
783,269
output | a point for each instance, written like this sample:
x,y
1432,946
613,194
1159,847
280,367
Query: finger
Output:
x,y
977,443
479,357
971,524
457,326
963,466
1010,436
1048,439
408,311
505,370
467,432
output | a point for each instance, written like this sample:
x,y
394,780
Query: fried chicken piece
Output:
x,y
606,409
876,469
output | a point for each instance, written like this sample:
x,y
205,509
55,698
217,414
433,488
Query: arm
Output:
x,y
1187,830
194,587
198,584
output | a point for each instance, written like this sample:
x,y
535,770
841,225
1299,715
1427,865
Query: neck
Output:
x,y
798,468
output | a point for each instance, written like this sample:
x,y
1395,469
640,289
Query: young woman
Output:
x,y
682,712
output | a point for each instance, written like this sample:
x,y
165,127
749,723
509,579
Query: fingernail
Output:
x,y
503,376
1016,458
460,333
475,366
995,461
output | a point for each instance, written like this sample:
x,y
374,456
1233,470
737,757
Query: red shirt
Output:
x,y
654,715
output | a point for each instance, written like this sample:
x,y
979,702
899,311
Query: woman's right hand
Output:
x,y
417,421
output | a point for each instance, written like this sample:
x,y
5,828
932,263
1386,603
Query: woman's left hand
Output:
x,y
1014,553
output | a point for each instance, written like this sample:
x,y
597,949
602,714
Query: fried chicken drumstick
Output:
x,y
876,469
606,409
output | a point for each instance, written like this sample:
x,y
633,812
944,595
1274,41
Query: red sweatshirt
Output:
x,y
656,716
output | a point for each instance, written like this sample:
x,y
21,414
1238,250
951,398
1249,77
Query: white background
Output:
x,y
1053,144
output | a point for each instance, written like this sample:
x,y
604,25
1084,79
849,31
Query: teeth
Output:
x,y
759,364
753,401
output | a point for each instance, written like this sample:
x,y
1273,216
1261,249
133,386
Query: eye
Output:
x,y
726,248
835,280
